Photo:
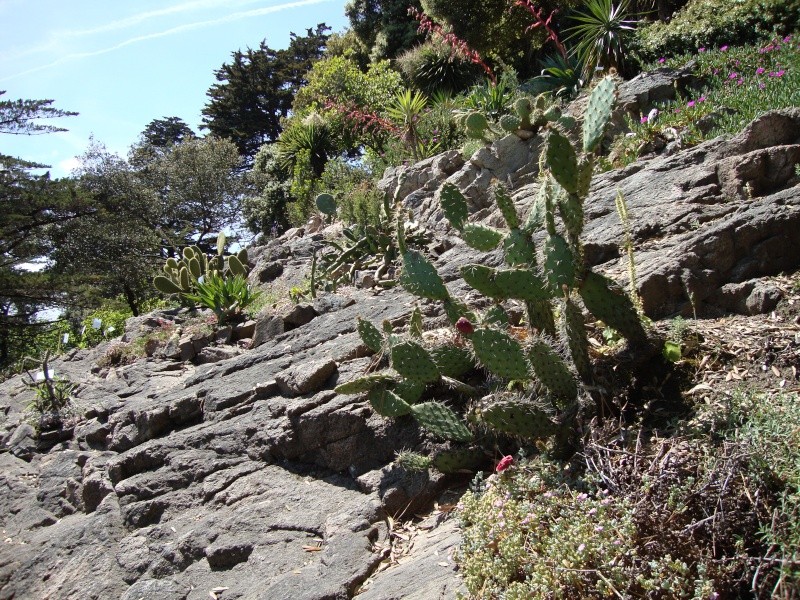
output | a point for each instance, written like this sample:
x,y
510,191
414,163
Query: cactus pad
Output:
x,y
518,418
413,362
506,206
481,278
454,205
573,330
522,284
452,361
441,421
500,354
481,237
236,267
510,123
551,370
608,302
562,160
370,335
165,285
420,277
598,113
365,384
326,204
558,264
388,404
460,460
518,249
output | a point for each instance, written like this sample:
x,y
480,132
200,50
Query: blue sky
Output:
x,y
123,64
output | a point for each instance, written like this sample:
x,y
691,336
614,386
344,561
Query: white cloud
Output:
x,y
68,165
238,16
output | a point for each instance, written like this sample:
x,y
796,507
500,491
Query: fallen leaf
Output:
x,y
312,548
776,370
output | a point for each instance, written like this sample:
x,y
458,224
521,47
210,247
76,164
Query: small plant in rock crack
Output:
x,y
53,398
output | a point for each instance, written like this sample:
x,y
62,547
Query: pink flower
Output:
x,y
761,86
701,99
787,39
504,463
759,70
690,104
662,60
582,547
778,73
701,50
740,82
733,75
643,120
723,49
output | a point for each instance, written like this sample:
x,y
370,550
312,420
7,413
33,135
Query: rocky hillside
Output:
x,y
225,465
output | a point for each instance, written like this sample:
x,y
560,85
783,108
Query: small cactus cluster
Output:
x,y
417,364
370,247
181,275
525,118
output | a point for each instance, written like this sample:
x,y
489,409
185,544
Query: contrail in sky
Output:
x,y
172,31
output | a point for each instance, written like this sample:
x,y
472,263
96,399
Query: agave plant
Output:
x,y
600,34
227,297
561,76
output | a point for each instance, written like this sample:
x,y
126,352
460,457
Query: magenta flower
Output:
x,y
761,86
787,39
759,70
690,104
701,50
733,75
662,60
701,99
643,120
723,49
504,463
778,73
740,82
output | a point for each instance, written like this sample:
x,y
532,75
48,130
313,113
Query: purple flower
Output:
x,y
701,99
787,39
662,60
690,104
643,120
759,70
778,73
701,50
733,75
761,86
723,49
740,82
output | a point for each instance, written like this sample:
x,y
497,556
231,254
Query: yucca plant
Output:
x,y
405,110
600,35
561,76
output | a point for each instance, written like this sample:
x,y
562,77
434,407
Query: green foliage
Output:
x,y
383,27
600,35
740,84
256,90
359,201
265,209
568,543
228,297
559,76
715,23
433,67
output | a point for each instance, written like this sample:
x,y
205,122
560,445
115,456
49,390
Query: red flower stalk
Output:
x,y
459,46
365,121
543,23
504,463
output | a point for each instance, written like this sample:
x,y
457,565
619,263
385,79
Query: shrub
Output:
x,y
433,67
713,23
